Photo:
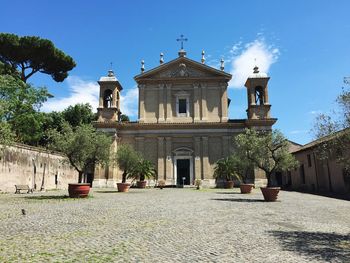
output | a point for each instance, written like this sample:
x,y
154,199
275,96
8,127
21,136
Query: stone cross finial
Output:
x,y
222,66
182,39
161,61
142,66
203,58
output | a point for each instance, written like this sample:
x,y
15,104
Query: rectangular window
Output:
x,y
182,106
302,173
309,160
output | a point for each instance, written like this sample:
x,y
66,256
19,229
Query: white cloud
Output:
x,y
315,112
298,131
80,91
254,53
87,91
129,102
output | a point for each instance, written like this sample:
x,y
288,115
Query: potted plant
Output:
x,y
127,160
161,184
84,148
224,172
267,150
242,168
198,184
144,170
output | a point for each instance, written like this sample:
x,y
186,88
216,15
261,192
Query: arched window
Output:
x,y
107,98
259,95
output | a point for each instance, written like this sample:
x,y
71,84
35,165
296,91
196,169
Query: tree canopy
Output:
x,y
265,150
333,131
31,54
79,114
83,146
127,159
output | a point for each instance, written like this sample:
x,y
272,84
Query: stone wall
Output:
x,y
22,164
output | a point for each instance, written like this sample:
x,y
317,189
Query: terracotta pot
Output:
x,y
246,188
229,184
270,193
123,187
141,184
78,190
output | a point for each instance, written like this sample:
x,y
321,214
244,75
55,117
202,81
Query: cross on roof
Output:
x,y
182,39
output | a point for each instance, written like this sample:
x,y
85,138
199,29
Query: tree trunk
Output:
x,y
124,177
80,179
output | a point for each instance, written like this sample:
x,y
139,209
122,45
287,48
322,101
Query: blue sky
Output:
x,y
303,45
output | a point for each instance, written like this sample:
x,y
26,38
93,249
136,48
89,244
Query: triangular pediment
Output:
x,y
182,68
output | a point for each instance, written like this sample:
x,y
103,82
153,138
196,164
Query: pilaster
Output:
x,y
204,102
223,103
168,160
197,158
205,158
161,103
196,117
142,103
160,157
169,113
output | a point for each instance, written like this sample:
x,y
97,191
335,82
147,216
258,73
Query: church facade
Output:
x,y
183,125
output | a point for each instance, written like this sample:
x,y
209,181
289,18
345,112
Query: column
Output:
x,y
160,158
266,95
113,174
100,100
168,103
168,160
161,103
224,106
205,158
114,98
196,116
142,103
197,158
204,101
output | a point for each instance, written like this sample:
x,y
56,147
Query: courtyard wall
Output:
x,y
27,165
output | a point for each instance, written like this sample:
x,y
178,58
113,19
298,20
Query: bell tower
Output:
x,y
109,100
257,93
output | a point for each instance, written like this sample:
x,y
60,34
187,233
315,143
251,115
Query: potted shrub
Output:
x,y
267,150
84,148
127,159
224,172
198,184
144,170
242,168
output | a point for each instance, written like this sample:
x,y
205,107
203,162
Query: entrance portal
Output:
x,y
183,170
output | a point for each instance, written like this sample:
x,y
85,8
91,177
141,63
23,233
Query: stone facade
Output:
x,y
315,174
26,165
183,125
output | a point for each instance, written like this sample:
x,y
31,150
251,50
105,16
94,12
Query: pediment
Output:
x,y
182,68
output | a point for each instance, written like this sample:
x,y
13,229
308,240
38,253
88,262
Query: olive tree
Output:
x,y
83,146
267,150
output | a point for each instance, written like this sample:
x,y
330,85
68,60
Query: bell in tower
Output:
x,y
258,100
109,100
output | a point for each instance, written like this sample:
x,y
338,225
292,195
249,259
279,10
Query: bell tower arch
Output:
x,y
257,93
109,99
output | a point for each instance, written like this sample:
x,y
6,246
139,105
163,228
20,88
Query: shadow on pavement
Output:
x,y
47,197
246,200
316,245
228,193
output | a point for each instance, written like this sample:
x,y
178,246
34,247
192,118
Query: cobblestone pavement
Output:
x,y
173,225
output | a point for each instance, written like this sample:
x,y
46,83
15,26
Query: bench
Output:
x,y
20,187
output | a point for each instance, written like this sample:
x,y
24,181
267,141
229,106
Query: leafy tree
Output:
x,y
23,102
124,118
334,132
6,135
127,159
266,150
31,54
83,146
79,114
